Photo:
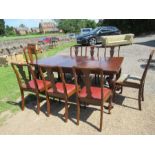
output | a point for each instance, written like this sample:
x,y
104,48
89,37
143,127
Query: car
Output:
x,y
47,40
86,30
44,40
94,36
71,35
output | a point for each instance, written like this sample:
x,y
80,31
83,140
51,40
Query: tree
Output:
x,y
9,31
90,23
22,25
136,26
74,25
2,27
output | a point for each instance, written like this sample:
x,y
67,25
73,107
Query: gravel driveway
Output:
x,y
125,117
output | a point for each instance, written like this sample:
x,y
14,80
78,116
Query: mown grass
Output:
x,y
5,38
9,90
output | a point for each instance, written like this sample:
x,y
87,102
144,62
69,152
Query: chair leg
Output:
x,y
121,90
143,93
95,79
101,117
139,99
110,104
66,110
23,102
48,105
114,93
78,111
38,103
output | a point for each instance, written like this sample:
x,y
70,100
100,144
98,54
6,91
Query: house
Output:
x,y
45,27
22,30
35,30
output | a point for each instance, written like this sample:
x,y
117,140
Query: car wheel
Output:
x,y
92,41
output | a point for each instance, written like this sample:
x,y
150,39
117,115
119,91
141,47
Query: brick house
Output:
x,y
22,30
45,27
35,30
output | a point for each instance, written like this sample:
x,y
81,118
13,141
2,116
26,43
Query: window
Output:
x,y
103,31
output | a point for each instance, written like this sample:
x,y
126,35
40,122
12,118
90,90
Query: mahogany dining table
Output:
x,y
110,66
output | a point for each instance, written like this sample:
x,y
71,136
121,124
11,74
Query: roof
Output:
x,y
47,24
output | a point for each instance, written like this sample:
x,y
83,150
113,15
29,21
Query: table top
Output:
x,y
109,65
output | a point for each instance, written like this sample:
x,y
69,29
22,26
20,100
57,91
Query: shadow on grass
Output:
x,y
30,103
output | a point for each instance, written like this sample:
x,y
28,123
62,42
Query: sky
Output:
x,y
27,22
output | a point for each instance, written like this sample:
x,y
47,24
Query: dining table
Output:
x,y
111,66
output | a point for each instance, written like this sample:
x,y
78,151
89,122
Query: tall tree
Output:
x,y
9,30
74,25
2,27
22,25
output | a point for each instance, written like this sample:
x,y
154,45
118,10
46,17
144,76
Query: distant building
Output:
x,y
45,27
35,30
22,30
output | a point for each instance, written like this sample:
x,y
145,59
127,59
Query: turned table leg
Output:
x,y
112,51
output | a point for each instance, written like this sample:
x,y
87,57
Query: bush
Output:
x,y
9,31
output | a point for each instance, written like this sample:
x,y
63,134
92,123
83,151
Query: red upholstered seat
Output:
x,y
96,92
40,84
69,87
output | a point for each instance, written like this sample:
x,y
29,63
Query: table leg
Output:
x,y
112,51
110,81
118,50
119,74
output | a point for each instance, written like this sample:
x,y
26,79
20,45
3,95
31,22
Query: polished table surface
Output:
x,y
109,65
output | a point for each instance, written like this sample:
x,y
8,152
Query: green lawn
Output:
x,y
9,90
29,36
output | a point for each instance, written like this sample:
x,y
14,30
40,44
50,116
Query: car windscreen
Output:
x,y
86,30
95,30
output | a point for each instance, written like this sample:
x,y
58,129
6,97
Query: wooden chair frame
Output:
x,y
23,87
86,72
31,52
140,86
79,49
50,74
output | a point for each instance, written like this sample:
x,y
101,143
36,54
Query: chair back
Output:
x,y
146,68
77,50
86,76
50,71
23,73
30,53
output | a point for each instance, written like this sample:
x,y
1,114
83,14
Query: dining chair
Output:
x,y
89,51
61,89
76,50
35,85
133,81
31,53
89,94
79,50
111,51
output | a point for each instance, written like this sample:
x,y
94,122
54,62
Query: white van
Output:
x,y
85,30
